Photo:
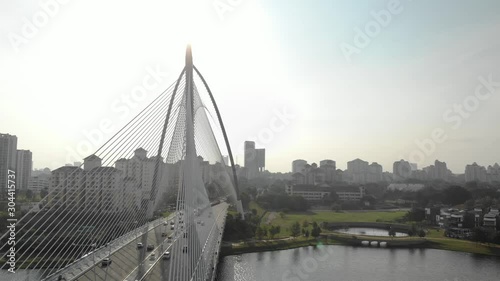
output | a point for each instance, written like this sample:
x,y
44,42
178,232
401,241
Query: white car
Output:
x,y
166,255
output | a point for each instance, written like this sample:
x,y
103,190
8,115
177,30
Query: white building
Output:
x,y
39,183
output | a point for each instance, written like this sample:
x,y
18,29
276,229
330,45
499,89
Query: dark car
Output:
x,y
106,262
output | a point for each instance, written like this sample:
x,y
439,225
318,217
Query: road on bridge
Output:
x,y
133,263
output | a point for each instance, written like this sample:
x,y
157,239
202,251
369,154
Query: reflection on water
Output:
x,y
359,263
369,231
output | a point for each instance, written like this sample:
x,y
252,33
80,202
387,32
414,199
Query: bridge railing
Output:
x,y
82,265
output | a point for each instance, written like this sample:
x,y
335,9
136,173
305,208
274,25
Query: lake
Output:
x,y
345,263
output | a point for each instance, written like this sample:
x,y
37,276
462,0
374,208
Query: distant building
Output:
x,y
441,170
255,160
405,186
329,168
414,166
24,166
475,172
375,173
493,173
318,192
357,171
298,166
39,183
401,170
260,155
8,159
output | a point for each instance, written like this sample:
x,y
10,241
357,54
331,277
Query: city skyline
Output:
x,y
379,104
254,162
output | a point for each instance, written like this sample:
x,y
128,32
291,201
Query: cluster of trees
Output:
x,y
263,231
472,194
296,231
284,202
486,235
238,229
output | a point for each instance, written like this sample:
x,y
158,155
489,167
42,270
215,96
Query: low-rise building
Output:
x,y
318,192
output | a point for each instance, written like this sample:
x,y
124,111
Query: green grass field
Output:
x,y
331,216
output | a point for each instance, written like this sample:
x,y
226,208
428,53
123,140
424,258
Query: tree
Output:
x,y
29,194
295,229
421,233
254,212
282,215
273,231
258,232
44,192
336,207
392,232
469,204
316,231
413,230
455,195
305,223
307,233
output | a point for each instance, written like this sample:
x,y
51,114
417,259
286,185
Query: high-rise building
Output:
x,y
38,183
260,155
298,166
357,171
329,168
375,172
475,172
401,170
24,166
255,159
8,159
494,173
441,170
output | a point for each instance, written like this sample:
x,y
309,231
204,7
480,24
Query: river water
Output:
x,y
345,263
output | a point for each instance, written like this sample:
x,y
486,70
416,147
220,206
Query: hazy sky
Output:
x,y
278,69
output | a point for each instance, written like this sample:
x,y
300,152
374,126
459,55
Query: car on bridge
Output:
x,y
166,255
150,247
139,245
106,261
152,257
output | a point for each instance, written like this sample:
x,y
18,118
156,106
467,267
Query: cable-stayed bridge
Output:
x,y
103,220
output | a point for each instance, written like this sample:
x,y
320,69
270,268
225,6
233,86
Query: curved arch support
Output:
x,y
226,140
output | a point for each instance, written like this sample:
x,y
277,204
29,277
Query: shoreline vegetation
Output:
x,y
449,244
331,220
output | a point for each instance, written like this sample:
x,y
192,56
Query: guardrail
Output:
x,y
82,265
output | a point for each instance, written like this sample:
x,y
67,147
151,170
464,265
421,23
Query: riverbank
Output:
x,y
448,244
